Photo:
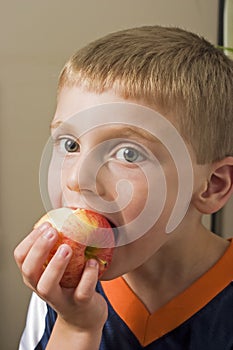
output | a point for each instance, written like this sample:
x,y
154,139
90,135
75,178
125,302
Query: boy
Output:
x,y
165,289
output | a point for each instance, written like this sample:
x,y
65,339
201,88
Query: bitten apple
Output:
x,y
88,233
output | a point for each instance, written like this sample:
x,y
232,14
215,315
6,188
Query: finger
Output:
x,y
48,286
23,248
87,284
33,265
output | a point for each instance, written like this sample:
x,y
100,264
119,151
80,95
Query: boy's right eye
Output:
x,y
68,145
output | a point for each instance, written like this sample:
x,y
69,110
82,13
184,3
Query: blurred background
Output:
x,y
37,37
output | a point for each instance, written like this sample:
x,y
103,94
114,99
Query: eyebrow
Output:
x,y
130,130
119,130
55,124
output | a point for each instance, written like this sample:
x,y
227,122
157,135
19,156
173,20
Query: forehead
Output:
x,y
72,100
84,110
76,108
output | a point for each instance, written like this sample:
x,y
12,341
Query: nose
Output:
x,y
75,179
71,178
82,175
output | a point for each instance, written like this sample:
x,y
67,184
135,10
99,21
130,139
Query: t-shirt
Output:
x,y
199,318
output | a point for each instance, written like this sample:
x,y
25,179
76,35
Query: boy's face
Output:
x,y
106,161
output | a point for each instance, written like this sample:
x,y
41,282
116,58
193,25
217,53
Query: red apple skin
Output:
x,y
75,267
88,224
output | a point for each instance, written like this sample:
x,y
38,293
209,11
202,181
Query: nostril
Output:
x,y
73,187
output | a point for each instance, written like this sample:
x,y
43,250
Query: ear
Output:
x,y
219,187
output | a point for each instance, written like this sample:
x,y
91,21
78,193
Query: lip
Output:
x,y
114,229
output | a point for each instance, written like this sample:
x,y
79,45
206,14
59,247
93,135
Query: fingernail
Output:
x,y
44,226
92,263
50,233
63,251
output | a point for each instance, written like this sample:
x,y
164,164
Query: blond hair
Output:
x,y
179,72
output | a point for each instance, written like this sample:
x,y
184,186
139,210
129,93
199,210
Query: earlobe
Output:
x,y
218,187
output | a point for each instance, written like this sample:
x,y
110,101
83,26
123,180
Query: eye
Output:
x,y
71,145
68,145
129,154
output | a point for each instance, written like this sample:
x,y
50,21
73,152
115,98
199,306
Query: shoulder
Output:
x,y
211,327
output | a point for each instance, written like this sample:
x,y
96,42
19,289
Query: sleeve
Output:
x,y
35,324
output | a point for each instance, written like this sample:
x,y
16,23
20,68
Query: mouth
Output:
x,y
115,230
111,223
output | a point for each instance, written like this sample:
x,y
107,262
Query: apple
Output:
x,y
88,233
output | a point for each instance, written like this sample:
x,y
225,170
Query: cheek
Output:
x,y
127,187
172,191
153,196
137,196
55,183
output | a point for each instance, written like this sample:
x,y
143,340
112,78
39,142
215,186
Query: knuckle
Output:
x,y
27,272
30,275
18,255
42,290
84,297
28,281
27,277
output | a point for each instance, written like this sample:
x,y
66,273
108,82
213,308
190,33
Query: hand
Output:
x,y
81,309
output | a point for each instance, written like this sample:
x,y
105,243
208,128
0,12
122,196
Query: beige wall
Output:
x,y
228,26
36,39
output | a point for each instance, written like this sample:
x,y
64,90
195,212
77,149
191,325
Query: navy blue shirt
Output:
x,y
209,329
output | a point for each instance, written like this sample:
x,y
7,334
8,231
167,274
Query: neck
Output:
x,y
175,266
